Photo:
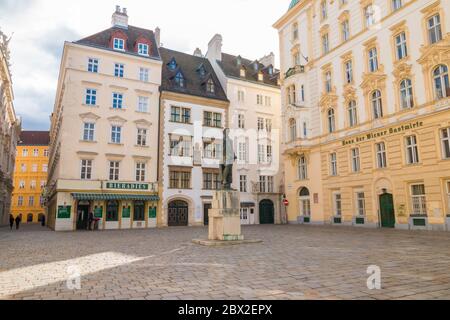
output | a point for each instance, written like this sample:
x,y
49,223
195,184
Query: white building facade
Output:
x,y
104,131
255,120
193,116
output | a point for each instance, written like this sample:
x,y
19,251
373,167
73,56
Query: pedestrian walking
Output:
x,y
18,221
11,221
91,220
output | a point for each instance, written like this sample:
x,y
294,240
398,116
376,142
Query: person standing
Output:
x,y
11,221
18,221
91,220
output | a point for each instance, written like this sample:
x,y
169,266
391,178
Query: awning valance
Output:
x,y
247,204
110,196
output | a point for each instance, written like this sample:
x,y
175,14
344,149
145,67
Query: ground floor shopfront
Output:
x,y
393,176
113,205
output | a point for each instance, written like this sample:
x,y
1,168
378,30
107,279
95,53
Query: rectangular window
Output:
x,y
259,99
241,121
412,150
448,197
260,124
25,153
44,167
119,44
400,45
91,97
337,204
88,131
22,184
369,14
217,123
333,165
418,200
373,60
211,181
118,70
269,154
114,170
46,153
141,137
243,183
143,49
381,155
20,201
140,171
117,101
242,152
43,184
269,125
268,101
241,96
360,204
212,150
266,184
23,168
396,4
180,146
143,104
35,152
86,169
325,44
31,201
143,74
34,168
180,180
93,65
445,136
434,29
348,72
116,134
261,154
356,165
345,30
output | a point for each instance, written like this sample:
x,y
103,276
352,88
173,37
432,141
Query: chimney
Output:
x,y
198,53
120,18
158,36
268,60
215,48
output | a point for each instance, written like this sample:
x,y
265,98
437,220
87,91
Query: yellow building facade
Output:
x,y
30,176
366,102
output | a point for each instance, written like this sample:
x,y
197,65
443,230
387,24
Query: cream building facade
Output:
x,y
366,102
254,117
10,126
104,131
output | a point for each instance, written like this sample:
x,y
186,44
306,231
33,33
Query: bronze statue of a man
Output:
x,y
228,158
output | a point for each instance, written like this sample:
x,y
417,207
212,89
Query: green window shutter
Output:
x,y
152,213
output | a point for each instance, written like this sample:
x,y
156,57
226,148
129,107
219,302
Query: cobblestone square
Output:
x,y
293,262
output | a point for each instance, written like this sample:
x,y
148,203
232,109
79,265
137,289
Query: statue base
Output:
x,y
225,217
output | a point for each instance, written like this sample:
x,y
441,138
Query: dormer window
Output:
x,y
270,70
242,72
210,87
179,80
172,64
260,76
256,66
119,44
202,70
239,60
143,49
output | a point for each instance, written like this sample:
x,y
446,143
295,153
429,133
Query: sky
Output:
x,y
40,27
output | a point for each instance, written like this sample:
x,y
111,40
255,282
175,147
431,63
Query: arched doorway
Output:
x,y
304,203
30,218
40,217
178,214
387,211
266,212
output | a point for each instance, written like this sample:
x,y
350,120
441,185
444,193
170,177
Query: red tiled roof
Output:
x,y
34,138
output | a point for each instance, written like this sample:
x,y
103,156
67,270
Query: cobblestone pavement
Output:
x,y
293,262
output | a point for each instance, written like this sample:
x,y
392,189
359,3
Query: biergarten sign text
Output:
x,y
127,186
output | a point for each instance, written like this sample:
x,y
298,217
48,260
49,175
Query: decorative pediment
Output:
x,y
89,116
329,100
436,54
345,15
402,70
295,155
117,119
349,93
143,123
373,81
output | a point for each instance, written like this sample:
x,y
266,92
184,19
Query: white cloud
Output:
x,y
40,28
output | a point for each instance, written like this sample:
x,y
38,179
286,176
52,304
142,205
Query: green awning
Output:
x,y
110,196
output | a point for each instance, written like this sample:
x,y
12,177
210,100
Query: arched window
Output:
x,y
304,202
302,168
210,86
352,113
292,129
441,84
406,94
331,121
179,80
328,82
377,105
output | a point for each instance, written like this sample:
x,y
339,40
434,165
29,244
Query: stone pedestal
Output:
x,y
225,217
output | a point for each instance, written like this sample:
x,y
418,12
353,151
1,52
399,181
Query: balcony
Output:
x,y
295,70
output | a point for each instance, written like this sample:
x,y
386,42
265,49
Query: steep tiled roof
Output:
x,y
195,80
103,39
231,66
34,138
